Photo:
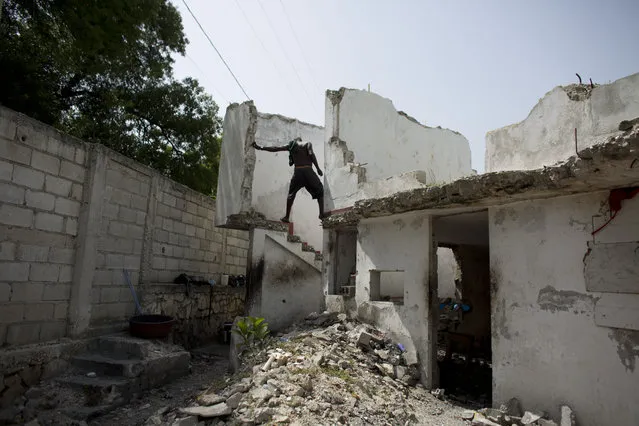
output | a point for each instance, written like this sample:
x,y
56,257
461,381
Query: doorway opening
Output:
x,y
464,358
345,261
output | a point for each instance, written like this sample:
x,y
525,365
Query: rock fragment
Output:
x,y
217,410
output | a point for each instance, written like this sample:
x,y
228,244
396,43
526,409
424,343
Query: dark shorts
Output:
x,y
306,178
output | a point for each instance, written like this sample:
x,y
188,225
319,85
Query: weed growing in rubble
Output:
x,y
252,330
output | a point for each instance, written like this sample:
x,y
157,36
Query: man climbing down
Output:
x,y
302,156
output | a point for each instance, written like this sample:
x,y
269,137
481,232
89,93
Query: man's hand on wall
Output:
x,y
319,172
256,146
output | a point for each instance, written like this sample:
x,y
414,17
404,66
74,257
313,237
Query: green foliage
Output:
x,y
102,71
252,330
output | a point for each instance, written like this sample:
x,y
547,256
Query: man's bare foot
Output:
x,y
285,220
323,216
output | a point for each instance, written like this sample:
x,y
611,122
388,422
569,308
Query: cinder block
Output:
x,y
140,218
179,227
126,214
22,334
114,244
53,292
190,230
15,152
40,200
95,295
38,312
200,233
172,264
76,192
67,151
114,261
168,199
144,188
57,186
132,262
158,262
7,251
71,226
80,155
28,177
135,232
62,255
6,170
5,293
161,236
49,222
66,274
118,196
110,211
72,171
52,330
118,229
109,294
12,312
167,225
32,253
103,277
188,218
61,311
8,129
67,207
44,272
14,272
27,292
45,162
139,202
53,146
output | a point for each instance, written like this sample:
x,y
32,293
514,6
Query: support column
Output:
x,y
432,371
223,254
89,226
147,243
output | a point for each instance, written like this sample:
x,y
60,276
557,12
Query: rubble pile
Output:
x,y
511,414
327,371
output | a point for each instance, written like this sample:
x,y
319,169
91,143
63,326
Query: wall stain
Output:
x,y
417,223
627,346
500,217
288,272
500,321
399,223
553,300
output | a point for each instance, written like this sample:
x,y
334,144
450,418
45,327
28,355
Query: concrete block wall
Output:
x,y
41,188
74,215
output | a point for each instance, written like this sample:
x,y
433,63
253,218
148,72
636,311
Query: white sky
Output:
x,y
467,65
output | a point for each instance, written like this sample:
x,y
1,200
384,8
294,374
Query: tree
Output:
x,y
102,71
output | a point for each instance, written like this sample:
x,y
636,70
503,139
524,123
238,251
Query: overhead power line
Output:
x,y
217,51
290,24
288,87
205,77
286,55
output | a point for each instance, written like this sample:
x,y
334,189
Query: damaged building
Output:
x,y
530,268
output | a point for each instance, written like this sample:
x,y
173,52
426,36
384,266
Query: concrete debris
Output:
x,y
512,408
567,416
186,421
340,372
530,418
481,420
438,393
217,410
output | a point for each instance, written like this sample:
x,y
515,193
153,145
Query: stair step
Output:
x,y
102,391
293,239
122,346
108,366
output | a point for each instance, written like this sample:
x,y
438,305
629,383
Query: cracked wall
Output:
x,y
547,134
544,320
372,150
256,182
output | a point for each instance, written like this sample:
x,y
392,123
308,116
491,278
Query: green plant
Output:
x,y
252,330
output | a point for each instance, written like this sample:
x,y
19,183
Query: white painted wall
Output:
x,y
287,286
398,153
230,199
272,175
547,348
547,134
403,243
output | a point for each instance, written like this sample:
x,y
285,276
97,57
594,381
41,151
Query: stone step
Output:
x,y
104,365
293,238
122,346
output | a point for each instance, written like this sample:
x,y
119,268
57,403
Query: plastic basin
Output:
x,y
151,326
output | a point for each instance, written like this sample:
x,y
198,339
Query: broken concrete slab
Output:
x,y
530,418
567,416
217,410
210,399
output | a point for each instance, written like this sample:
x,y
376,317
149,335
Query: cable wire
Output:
x,y
281,74
217,51
287,57
207,79
290,24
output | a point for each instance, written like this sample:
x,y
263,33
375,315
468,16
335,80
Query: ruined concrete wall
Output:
x,y
374,151
74,215
258,181
398,243
545,324
285,282
199,314
547,134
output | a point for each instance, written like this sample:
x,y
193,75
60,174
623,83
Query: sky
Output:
x,y
467,65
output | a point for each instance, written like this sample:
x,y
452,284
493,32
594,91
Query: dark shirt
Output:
x,y
300,154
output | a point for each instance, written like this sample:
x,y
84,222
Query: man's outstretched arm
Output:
x,y
314,160
270,148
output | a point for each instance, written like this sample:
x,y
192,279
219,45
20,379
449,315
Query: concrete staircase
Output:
x,y
116,368
294,244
